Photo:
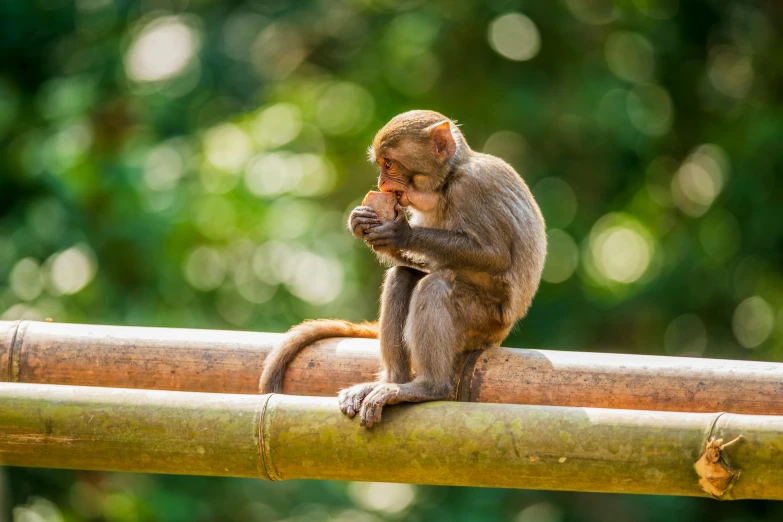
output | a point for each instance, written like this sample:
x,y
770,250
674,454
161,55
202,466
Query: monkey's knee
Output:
x,y
430,304
433,291
401,278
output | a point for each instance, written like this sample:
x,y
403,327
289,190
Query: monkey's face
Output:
x,y
409,169
398,174
412,157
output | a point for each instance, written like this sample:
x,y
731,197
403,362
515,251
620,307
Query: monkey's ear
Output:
x,y
443,140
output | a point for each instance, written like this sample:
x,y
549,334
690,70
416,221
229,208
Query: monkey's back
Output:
x,y
502,214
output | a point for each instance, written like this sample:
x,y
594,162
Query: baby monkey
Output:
x,y
467,248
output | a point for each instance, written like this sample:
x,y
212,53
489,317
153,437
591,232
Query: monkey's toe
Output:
x,y
373,404
346,404
371,413
350,399
347,408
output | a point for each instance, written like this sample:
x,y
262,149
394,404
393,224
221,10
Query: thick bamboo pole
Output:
x,y
286,437
231,362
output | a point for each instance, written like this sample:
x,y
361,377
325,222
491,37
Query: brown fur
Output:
x,y
468,262
301,336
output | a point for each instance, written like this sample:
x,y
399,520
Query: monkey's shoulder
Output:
x,y
486,198
487,182
489,163
487,175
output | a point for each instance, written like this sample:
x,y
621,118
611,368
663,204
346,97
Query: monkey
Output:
x,y
466,249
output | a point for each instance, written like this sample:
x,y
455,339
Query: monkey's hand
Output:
x,y
361,220
390,236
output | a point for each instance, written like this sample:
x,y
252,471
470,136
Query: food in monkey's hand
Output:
x,y
382,203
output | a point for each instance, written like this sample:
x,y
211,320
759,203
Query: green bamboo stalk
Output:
x,y
278,437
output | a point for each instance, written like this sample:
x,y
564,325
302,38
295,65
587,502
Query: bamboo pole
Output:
x,y
231,362
278,437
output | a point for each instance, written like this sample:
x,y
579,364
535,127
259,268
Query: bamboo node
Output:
x,y
716,477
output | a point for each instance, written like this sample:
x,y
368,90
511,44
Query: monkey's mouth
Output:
x,y
402,198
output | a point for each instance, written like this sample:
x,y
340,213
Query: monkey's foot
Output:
x,y
373,403
350,399
417,390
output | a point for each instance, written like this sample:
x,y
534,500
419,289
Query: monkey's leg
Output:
x,y
435,334
398,286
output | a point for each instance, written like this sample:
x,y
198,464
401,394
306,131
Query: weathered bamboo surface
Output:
x,y
231,362
285,437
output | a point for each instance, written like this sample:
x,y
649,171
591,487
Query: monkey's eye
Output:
x,y
387,163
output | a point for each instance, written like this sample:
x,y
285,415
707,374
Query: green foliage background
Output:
x,y
191,164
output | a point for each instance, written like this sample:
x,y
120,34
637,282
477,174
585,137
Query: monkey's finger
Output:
x,y
380,229
400,210
378,233
365,227
359,231
365,212
380,245
363,220
364,215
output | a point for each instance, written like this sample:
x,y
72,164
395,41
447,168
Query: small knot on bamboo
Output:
x,y
716,477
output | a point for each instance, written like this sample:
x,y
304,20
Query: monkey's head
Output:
x,y
416,152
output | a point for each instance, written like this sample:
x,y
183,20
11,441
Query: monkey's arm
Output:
x,y
362,220
457,249
390,257
443,247
403,258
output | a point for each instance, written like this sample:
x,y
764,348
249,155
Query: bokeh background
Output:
x,y
192,163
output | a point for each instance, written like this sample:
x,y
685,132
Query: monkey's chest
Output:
x,y
426,219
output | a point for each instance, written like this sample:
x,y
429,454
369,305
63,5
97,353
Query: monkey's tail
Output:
x,y
302,335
